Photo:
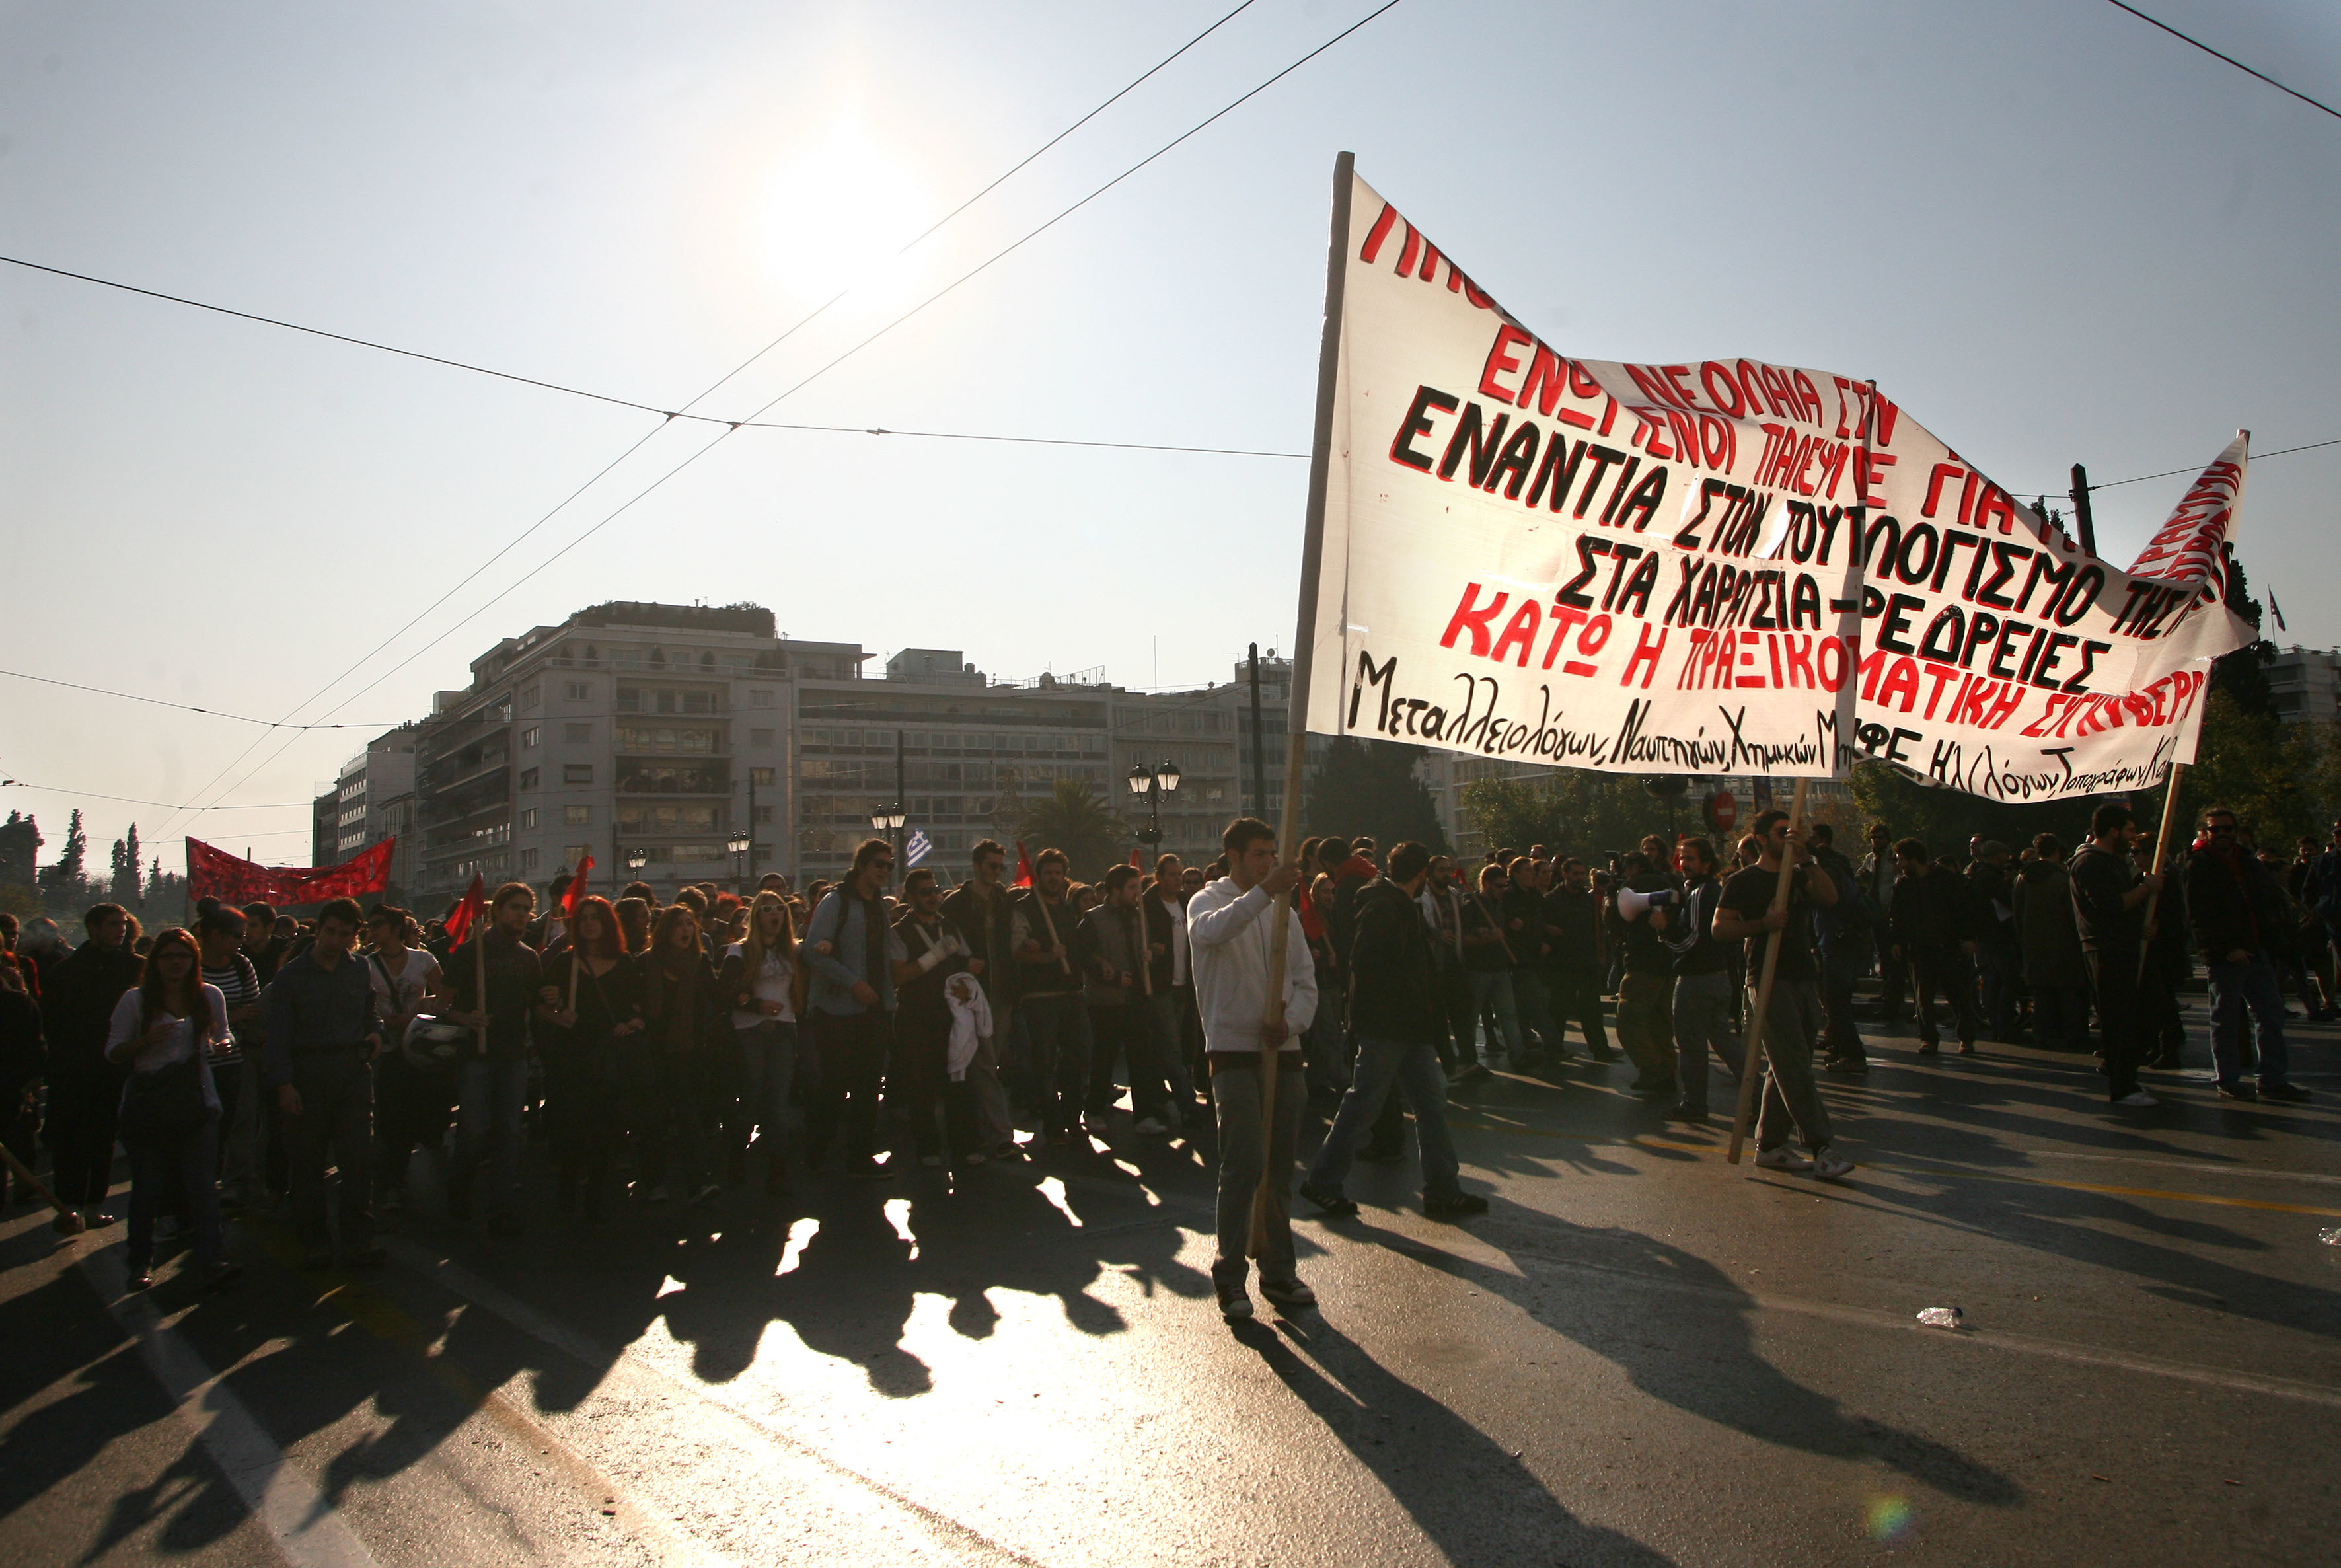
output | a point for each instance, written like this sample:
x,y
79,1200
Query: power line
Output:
x,y
1085,201
733,426
2231,59
2168,473
165,804
189,708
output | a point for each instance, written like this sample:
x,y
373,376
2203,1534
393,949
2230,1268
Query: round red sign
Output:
x,y
1722,811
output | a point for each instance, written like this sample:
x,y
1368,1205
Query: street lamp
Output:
x,y
888,820
739,846
635,860
1153,784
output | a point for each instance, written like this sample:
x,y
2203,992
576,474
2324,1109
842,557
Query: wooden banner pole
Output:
x,y
1751,1056
1274,1185
2161,855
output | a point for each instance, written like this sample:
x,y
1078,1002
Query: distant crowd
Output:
x,y
579,1051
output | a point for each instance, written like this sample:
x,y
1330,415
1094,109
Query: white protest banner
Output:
x,y
1723,567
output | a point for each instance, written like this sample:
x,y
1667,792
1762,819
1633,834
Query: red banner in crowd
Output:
x,y
216,874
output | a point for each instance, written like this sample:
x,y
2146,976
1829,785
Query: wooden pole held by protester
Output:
x,y
2161,855
68,1221
1751,1056
1275,1185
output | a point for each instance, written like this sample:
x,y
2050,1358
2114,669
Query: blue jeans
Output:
x,y
1059,1029
2234,987
1494,989
487,1125
1532,999
1414,1066
188,1166
768,1064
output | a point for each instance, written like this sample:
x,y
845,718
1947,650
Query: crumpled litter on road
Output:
x,y
1941,1317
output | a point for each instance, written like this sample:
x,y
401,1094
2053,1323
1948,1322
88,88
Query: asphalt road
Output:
x,y
1642,1355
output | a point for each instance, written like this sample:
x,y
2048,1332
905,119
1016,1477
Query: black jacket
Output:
x,y
1990,887
2101,879
77,1000
2232,901
1393,981
1573,920
986,926
1932,911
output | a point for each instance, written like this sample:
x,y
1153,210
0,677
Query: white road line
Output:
x,y
305,1527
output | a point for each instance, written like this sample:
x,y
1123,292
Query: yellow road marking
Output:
x,y
1968,1174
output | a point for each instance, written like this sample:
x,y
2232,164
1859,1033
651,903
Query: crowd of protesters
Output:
x,y
665,1052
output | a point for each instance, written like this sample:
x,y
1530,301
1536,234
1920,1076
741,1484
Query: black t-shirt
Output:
x,y
1748,894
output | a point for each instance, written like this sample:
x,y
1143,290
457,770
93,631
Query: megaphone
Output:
x,y
1632,905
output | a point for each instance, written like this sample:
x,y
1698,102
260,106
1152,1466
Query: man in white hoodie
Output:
x,y
1229,942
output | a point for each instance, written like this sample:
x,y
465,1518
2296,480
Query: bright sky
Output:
x,y
2049,231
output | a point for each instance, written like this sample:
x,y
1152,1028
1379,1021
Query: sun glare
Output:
x,y
837,207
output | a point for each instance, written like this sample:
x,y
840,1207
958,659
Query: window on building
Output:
x,y
760,699
759,775
527,860
759,738
528,817
571,854
666,739
763,813
577,815
528,778
527,698
578,734
577,773
530,736
579,691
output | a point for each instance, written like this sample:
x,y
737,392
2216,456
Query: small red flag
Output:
x,y
1133,861
1024,867
460,919
575,895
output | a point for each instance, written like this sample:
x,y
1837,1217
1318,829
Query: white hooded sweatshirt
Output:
x,y
1230,940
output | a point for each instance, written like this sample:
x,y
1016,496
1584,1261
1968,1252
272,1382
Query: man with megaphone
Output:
x,y
1646,992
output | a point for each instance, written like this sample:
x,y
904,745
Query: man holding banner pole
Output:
x,y
1231,928
1771,905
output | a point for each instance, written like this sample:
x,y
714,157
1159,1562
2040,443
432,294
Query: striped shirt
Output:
x,y
239,987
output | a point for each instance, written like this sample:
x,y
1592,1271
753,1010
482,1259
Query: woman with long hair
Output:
x,y
634,924
165,1031
759,983
590,999
675,1071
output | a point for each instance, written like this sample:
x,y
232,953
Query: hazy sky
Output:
x,y
2050,232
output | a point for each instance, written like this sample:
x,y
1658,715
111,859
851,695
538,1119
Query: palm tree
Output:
x,y
1073,820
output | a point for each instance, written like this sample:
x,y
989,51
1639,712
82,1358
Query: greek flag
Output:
x,y
916,848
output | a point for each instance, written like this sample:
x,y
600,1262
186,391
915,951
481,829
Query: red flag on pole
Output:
x,y
577,891
1133,861
460,919
1024,867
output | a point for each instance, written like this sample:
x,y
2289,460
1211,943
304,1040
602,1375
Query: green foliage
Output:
x,y
2275,777
1946,819
1072,819
20,851
1574,810
1368,786
61,884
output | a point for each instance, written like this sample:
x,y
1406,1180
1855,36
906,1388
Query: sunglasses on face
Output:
x,y
2223,827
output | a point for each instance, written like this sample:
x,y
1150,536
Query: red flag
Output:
x,y
1133,861
1312,925
1024,867
576,892
216,874
460,918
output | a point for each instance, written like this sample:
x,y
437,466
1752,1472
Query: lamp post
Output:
x,y
1153,784
738,845
635,861
888,820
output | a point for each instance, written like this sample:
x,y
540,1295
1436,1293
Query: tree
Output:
x,y
1945,819
20,851
1075,821
1576,811
61,883
1369,786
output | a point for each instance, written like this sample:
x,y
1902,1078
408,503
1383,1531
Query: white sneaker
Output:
x,y
1783,1158
2138,1100
1150,1127
1830,1167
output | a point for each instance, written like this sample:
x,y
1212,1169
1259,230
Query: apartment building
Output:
x,y
2305,685
645,736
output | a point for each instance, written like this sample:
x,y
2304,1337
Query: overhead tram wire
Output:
x,y
189,708
130,800
564,387
731,427
668,417
2198,468
2231,59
